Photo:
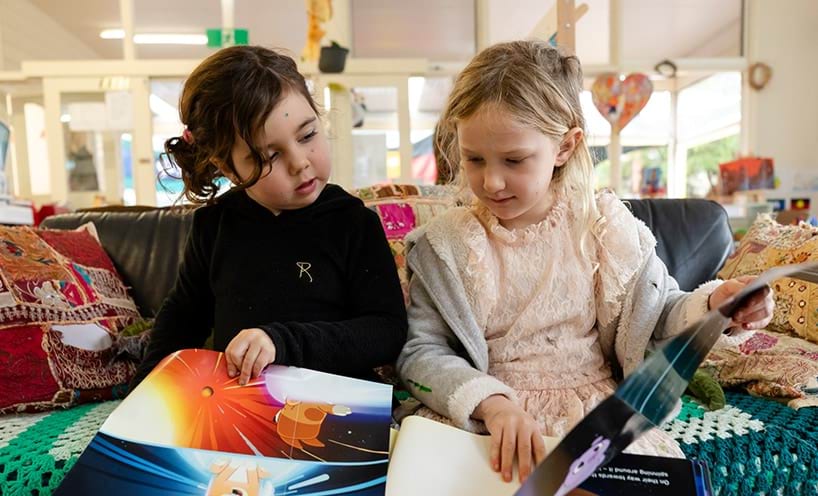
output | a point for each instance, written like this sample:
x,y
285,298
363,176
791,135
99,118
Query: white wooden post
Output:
x,y
566,29
338,29
405,129
482,36
58,177
228,22
126,18
144,169
615,148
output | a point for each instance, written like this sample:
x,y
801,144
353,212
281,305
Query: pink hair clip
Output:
x,y
187,136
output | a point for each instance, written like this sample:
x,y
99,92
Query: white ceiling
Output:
x,y
435,29
657,30
272,23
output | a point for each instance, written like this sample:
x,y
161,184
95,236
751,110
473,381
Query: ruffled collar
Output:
x,y
524,235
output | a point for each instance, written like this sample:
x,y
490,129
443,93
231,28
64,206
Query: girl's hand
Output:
x,y
756,313
249,352
512,430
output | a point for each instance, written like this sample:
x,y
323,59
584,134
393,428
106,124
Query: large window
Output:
x,y
703,165
645,141
706,133
644,170
709,121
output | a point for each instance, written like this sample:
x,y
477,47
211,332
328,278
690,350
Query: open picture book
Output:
x,y
189,429
434,459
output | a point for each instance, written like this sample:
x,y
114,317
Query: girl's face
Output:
x,y
297,154
509,166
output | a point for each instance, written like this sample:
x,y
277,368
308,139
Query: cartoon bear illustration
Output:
x,y
301,422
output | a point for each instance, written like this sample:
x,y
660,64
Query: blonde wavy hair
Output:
x,y
540,87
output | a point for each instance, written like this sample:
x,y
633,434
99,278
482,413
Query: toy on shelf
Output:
x,y
744,174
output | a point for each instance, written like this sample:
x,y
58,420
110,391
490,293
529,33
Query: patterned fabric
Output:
x,y
753,446
52,276
402,208
768,244
770,364
37,450
62,304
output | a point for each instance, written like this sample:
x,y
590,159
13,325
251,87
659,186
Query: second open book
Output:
x,y
433,459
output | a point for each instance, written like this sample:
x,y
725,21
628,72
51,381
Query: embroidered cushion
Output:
x,y
62,306
769,364
402,208
768,244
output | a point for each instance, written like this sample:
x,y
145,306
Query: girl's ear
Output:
x,y
567,146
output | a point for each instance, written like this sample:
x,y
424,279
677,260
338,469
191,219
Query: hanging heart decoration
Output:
x,y
618,100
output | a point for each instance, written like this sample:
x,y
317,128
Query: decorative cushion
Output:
x,y
402,208
62,305
768,244
770,364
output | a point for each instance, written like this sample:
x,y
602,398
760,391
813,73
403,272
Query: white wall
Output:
x,y
783,117
26,33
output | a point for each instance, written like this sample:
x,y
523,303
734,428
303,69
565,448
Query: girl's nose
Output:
x,y
298,163
493,180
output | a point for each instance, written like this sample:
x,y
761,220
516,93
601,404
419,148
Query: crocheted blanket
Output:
x,y
754,446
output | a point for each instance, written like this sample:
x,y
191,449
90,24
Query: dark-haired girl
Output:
x,y
284,268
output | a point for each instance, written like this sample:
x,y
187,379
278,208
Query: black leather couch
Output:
x,y
146,245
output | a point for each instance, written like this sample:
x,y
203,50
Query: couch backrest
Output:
x,y
693,237
146,245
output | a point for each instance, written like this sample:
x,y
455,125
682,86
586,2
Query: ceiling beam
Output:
x,y
183,67
126,15
228,15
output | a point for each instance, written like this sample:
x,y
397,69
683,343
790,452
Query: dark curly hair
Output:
x,y
229,95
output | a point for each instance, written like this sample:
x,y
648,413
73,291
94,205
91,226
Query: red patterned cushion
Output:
x,y
62,305
401,208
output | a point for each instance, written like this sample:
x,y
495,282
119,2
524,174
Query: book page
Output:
x,y
433,458
188,428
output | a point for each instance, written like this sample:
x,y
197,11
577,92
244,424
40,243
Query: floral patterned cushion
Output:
x,y
402,208
770,364
768,244
62,305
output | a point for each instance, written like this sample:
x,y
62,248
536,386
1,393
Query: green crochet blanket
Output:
x,y
754,446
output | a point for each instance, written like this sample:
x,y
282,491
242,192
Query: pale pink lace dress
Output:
x,y
536,296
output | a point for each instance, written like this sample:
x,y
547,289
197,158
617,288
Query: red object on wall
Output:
x,y
47,211
747,174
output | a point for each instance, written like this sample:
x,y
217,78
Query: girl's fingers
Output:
x,y
755,311
264,358
756,325
539,447
507,453
753,317
248,363
234,353
524,453
494,451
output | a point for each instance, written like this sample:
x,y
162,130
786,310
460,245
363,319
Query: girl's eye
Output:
x,y
474,159
272,157
309,136
514,160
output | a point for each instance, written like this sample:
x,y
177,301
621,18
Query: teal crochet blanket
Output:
x,y
754,446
